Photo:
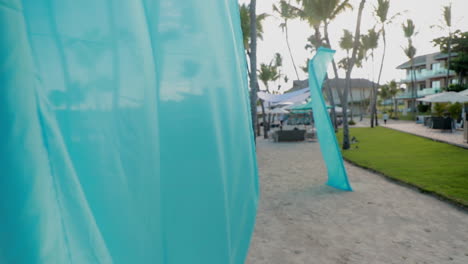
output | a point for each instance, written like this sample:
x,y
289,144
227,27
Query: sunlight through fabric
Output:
x,y
126,133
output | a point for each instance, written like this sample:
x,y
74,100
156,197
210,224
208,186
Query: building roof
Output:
x,y
417,61
355,83
421,60
440,56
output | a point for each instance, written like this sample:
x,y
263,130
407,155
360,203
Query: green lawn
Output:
x,y
432,166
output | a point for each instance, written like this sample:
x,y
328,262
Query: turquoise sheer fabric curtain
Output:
x,y
125,133
337,176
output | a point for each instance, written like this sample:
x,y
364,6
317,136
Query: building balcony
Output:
x,y
427,74
420,93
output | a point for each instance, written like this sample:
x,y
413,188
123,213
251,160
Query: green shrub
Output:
x,y
456,87
440,108
423,108
455,110
351,123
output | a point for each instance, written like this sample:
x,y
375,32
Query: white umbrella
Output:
x,y
277,111
464,92
446,97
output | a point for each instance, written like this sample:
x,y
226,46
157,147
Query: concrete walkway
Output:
x,y
300,220
454,138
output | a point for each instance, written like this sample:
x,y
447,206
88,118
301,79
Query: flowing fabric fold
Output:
x,y
337,176
126,133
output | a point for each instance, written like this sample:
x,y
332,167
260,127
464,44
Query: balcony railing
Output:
x,y
426,74
420,93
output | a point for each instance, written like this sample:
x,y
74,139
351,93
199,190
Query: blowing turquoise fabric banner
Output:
x,y
125,133
318,65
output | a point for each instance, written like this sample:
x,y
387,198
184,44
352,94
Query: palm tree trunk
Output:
x,y
289,48
332,102
448,58
265,128
253,64
351,108
357,33
413,89
335,68
381,68
335,71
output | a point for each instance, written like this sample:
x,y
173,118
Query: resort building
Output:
x,y
429,73
360,91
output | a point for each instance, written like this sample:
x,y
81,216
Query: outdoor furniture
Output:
x,y
310,134
420,119
289,135
444,123
427,121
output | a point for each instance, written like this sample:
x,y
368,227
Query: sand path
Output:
x,y
302,221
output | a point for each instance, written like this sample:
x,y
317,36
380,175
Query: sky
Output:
x,y
424,13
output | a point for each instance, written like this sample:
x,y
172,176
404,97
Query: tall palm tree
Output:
x,y
278,63
447,25
371,42
252,29
381,11
253,62
267,73
346,42
324,11
286,12
409,30
244,11
351,64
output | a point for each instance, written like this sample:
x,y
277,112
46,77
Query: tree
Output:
x,y
370,43
252,29
267,73
409,30
244,11
447,25
351,64
389,91
253,62
459,45
286,12
324,11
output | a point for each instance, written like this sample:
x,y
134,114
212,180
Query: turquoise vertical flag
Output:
x,y
125,133
337,176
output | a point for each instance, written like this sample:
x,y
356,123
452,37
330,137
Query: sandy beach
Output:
x,y
300,220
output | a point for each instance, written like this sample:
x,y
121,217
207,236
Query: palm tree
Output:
x,y
409,30
393,91
381,11
324,11
286,12
447,25
371,42
351,64
346,43
267,73
252,29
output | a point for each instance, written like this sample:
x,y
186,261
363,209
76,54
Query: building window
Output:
x,y
422,86
436,66
436,84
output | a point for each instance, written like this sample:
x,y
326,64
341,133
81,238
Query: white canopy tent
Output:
x,y
445,97
281,98
464,92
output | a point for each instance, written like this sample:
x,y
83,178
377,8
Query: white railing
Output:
x,y
425,74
